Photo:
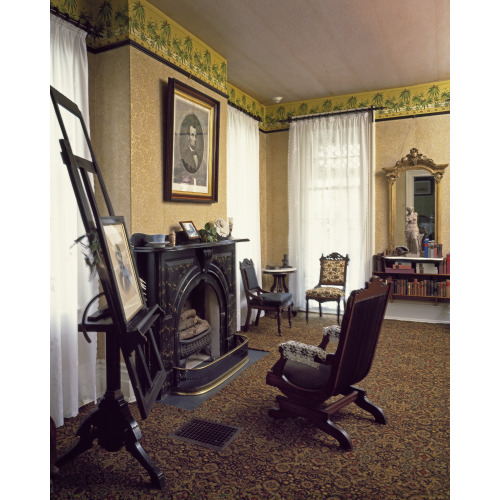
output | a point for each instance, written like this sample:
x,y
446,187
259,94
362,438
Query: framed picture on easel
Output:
x,y
122,266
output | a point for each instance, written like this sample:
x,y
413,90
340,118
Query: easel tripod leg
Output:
x,y
85,442
157,476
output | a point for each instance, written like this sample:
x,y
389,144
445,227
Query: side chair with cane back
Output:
x,y
262,300
331,286
308,376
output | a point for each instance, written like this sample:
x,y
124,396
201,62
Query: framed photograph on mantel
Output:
x,y
191,167
189,229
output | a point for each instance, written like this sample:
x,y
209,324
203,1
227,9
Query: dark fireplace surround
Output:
x,y
199,276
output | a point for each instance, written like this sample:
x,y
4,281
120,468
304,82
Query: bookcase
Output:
x,y
415,278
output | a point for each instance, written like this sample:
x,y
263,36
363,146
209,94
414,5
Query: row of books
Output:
x,y
420,288
432,249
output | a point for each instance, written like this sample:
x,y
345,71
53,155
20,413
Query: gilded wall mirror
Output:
x,y
419,188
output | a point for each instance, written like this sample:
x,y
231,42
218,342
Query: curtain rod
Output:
x,y
342,112
85,27
243,110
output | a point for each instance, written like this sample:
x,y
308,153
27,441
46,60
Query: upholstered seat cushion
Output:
x,y
273,299
306,376
324,293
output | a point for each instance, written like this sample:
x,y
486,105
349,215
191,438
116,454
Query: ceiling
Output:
x,y
309,49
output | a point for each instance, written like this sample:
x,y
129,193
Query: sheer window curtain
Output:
x,y
331,198
243,195
72,359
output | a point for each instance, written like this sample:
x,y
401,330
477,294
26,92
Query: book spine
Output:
x,y
426,247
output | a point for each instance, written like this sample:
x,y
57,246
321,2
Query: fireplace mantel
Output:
x,y
189,271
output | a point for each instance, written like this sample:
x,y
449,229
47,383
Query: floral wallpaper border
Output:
x,y
405,101
121,20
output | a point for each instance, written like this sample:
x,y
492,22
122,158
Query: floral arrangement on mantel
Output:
x,y
209,233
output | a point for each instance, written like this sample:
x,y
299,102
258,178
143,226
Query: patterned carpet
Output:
x,y
289,459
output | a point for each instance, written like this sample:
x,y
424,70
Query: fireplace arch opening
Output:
x,y
200,326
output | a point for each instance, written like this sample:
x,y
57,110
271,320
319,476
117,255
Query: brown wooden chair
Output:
x,y
308,376
262,300
331,286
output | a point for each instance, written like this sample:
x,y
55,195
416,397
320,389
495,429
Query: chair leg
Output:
x,y
338,312
257,317
320,418
307,310
290,315
335,431
320,312
363,402
279,322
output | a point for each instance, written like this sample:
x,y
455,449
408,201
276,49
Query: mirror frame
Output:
x,y
413,161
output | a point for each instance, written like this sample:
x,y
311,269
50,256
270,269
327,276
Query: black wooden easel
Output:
x,y
111,423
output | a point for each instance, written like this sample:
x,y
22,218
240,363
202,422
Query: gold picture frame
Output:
x,y
191,169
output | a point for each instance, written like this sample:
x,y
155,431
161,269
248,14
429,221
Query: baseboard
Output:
x,y
424,312
126,386
405,310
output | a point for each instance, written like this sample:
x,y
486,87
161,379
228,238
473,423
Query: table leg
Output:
x,y
283,282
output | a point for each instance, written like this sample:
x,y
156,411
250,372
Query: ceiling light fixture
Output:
x,y
277,100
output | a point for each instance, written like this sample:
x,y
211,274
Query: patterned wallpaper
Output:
x,y
136,20
116,21
393,140
121,20
408,101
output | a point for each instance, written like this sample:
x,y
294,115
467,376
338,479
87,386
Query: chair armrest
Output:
x,y
303,353
330,334
333,332
256,297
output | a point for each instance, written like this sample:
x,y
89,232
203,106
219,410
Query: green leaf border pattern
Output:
x,y
407,101
136,20
116,21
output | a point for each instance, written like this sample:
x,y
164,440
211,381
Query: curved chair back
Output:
x,y
261,300
250,282
359,335
333,269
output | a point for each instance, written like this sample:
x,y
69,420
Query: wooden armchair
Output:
x,y
262,300
308,376
331,286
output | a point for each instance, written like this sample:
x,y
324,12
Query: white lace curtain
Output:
x,y
72,359
330,197
243,194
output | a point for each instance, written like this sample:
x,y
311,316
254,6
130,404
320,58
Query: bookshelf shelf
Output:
x,y
409,283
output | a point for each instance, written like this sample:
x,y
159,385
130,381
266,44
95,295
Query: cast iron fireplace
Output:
x,y
196,277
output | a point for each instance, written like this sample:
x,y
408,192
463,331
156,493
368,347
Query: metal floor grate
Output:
x,y
206,433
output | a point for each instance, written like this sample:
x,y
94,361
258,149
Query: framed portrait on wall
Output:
x,y
191,166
